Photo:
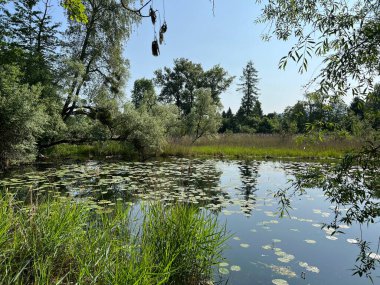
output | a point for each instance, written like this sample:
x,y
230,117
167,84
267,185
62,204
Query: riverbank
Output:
x,y
262,146
228,146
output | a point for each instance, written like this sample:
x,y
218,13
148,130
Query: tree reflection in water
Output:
x,y
353,188
249,173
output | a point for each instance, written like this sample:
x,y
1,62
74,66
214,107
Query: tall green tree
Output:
x,y
143,93
96,70
204,118
22,117
31,40
178,85
248,86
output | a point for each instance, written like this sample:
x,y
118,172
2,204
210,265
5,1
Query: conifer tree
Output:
x,y
249,81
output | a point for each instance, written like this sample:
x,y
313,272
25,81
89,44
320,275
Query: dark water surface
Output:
x,y
264,249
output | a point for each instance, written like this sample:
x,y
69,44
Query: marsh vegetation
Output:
x,y
181,219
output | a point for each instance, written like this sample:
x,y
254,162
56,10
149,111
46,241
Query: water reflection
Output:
x,y
264,247
249,174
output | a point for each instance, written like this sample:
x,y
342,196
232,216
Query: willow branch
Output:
x,y
136,11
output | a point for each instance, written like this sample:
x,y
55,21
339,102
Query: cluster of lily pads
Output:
x,y
177,180
181,180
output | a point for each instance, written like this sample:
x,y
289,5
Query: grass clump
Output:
x,y
191,236
64,241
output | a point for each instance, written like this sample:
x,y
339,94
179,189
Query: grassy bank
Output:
x,y
233,146
64,241
85,151
262,146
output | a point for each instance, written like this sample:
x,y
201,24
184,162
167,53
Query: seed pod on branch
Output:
x,y
155,48
152,15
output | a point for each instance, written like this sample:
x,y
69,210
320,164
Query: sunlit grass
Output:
x,y
64,241
266,146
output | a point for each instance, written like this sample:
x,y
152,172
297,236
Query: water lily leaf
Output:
x,y
331,237
235,268
280,282
224,271
374,255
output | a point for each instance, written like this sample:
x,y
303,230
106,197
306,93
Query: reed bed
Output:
x,y
65,241
265,146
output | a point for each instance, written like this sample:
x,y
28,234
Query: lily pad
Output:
x,y
224,271
235,268
331,237
280,282
374,255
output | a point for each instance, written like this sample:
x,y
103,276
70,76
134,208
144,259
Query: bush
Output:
x,y
21,117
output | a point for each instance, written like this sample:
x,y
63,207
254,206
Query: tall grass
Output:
x,y
246,145
188,235
98,149
63,241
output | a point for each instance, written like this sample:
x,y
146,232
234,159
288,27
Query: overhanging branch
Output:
x,y
136,11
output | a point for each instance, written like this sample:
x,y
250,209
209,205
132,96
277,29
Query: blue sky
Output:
x,y
230,38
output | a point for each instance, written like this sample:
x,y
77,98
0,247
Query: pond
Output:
x,y
263,248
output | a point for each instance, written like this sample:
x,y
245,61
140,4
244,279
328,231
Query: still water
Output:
x,y
263,248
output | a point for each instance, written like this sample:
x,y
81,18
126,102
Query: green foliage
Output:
x,y
76,10
95,71
352,187
262,146
189,238
21,117
345,33
66,241
249,81
143,129
143,93
178,85
31,42
204,118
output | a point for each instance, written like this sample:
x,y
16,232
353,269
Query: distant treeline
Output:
x,y
359,118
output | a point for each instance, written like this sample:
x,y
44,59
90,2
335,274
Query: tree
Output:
x,y
357,107
228,122
345,33
249,81
204,118
96,67
21,117
372,107
143,93
178,85
31,41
